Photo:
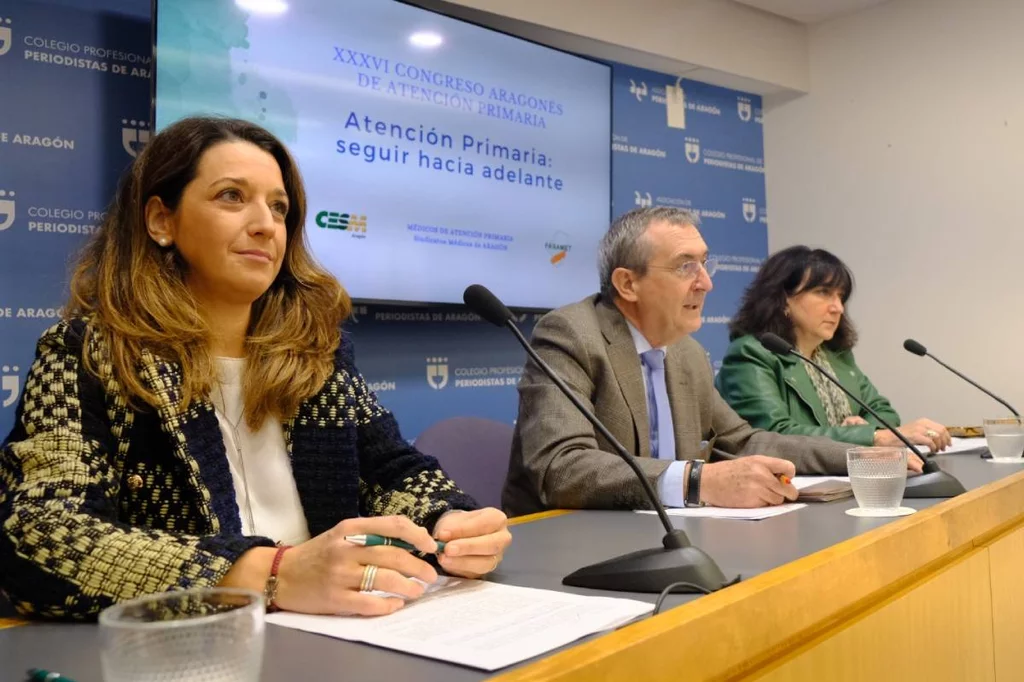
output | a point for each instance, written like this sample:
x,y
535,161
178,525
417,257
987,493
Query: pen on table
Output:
x,y
382,541
37,675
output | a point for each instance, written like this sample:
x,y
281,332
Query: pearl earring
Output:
x,y
163,241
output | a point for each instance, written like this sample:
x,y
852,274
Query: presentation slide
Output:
x,y
436,153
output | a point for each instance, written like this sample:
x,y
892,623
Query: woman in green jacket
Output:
x,y
800,294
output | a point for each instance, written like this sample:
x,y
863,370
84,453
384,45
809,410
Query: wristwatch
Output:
x,y
692,498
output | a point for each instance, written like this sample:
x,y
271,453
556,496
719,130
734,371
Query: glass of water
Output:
x,y
878,477
1005,438
203,635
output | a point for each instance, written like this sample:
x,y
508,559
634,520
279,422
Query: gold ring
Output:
x,y
931,433
369,575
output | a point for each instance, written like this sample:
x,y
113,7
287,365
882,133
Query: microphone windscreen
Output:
x,y
485,304
775,343
914,347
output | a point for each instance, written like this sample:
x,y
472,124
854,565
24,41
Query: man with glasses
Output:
x,y
628,355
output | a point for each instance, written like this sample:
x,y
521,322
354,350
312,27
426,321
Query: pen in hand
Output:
x,y
786,480
382,541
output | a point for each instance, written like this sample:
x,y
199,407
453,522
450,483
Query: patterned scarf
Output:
x,y
837,405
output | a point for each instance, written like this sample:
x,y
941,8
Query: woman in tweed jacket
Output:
x,y
126,471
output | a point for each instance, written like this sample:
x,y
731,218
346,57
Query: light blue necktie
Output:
x,y
659,412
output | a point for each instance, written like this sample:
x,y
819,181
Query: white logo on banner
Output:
x,y
642,200
743,108
749,210
638,91
692,149
358,311
5,36
6,209
437,372
134,136
10,383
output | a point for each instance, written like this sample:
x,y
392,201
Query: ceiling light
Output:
x,y
426,39
270,7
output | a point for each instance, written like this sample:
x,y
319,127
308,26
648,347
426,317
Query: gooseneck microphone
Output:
x,y
917,349
649,570
933,481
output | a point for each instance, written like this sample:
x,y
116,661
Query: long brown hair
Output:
x,y
135,297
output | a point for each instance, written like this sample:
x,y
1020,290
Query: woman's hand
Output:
x,y
476,541
919,432
324,574
854,420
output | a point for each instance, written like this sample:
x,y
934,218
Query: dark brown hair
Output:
x,y
788,273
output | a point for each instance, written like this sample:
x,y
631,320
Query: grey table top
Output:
x,y
541,553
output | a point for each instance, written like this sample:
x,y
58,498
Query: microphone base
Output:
x,y
651,571
933,484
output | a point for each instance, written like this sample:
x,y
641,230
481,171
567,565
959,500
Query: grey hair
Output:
x,y
624,245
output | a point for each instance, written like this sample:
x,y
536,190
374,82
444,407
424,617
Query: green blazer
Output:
x,y
774,393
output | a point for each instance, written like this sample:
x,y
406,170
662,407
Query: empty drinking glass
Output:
x,y
878,477
1005,438
201,635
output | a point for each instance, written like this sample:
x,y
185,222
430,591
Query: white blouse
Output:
x,y
268,501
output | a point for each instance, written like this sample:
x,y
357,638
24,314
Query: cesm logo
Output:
x,y
642,200
638,91
346,222
6,209
692,149
437,373
749,210
134,136
558,248
6,39
10,383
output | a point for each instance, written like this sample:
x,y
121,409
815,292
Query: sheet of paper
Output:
x,y
960,445
801,482
726,513
477,623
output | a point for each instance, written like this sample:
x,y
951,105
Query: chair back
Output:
x,y
474,452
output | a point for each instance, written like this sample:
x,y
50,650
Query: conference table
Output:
x,y
936,595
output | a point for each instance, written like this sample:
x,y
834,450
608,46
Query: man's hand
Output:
x,y
751,481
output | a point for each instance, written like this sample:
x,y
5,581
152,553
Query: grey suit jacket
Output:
x,y
559,461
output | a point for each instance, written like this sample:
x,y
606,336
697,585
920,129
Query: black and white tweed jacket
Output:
x,y
100,503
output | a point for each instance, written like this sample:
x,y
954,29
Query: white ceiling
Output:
x,y
811,11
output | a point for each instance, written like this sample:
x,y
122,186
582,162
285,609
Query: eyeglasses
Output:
x,y
691,268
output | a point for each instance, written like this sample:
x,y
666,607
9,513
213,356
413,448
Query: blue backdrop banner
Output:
x,y
677,142
76,74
